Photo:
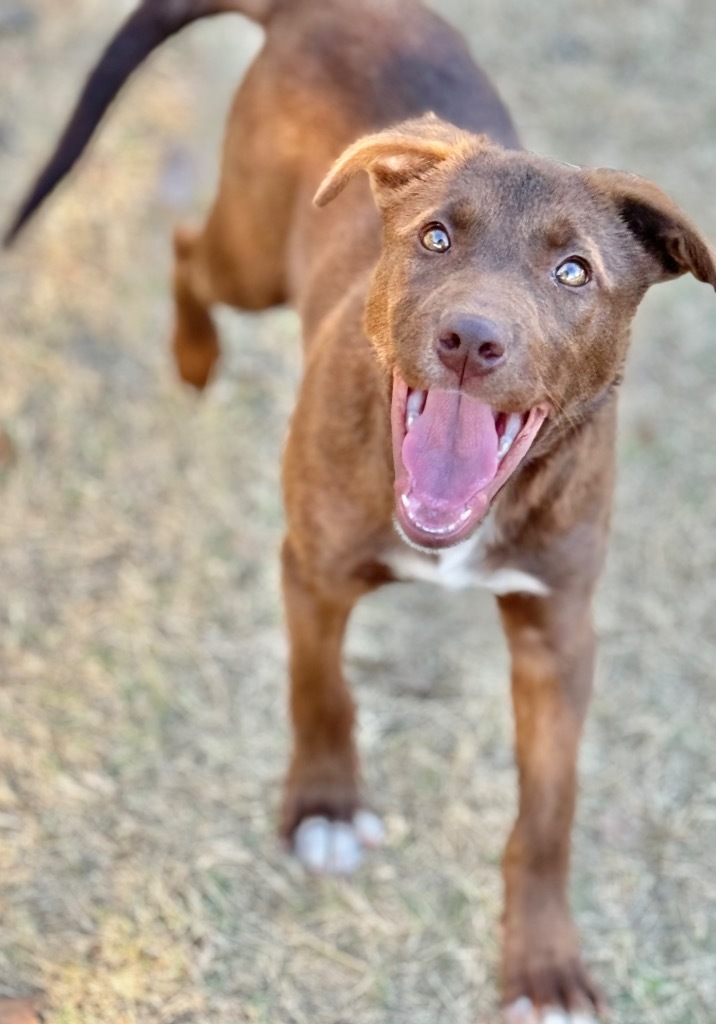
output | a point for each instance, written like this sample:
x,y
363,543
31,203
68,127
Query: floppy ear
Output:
x,y
395,157
674,244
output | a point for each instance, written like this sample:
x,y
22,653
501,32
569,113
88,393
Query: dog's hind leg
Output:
x,y
195,342
238,257
218,264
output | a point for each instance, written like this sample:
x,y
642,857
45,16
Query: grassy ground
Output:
x,y
142,725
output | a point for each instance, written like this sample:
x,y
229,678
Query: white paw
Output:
x,y
327,847
522,1011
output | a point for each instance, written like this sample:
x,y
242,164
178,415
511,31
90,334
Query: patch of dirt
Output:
x,y
142,724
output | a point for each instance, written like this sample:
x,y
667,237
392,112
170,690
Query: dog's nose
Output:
x,y
471,346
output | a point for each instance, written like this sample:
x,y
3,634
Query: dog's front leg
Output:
x,y
552,647
322,814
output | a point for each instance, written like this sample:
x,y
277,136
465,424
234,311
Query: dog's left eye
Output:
x,y
574,272
435,238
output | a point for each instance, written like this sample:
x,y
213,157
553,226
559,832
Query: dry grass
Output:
x,y
142,695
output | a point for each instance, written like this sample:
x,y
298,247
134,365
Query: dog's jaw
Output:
x,y
429,518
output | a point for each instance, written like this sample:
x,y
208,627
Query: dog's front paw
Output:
x,y
523,1011
552,990
327,847
324,821
544,979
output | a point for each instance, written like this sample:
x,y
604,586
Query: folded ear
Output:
x,y
395,157
674,244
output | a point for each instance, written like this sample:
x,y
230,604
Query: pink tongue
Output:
x,y
450,452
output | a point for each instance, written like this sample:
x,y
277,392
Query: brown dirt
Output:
x,y
142,721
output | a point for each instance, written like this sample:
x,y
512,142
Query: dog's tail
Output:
x,y
148,27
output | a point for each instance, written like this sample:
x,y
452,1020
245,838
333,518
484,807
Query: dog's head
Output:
x,y
501,303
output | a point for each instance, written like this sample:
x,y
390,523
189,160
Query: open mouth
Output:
x,y
452,454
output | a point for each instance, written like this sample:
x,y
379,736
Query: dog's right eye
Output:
x,y
435,238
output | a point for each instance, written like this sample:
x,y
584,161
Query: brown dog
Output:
x,y
466,320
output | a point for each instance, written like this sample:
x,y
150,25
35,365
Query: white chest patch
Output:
x,y
462,566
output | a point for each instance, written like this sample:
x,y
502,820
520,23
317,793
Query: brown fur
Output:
x,y
372,302
21,1011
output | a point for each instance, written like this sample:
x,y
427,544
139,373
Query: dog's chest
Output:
x,y
464,565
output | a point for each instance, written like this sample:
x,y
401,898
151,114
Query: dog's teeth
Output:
x,y
503,448
512,429
414,406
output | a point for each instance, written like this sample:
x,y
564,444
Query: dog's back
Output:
x,y
343,68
